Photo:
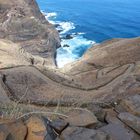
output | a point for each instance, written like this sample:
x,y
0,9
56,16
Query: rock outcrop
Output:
x,y
22,23
115,126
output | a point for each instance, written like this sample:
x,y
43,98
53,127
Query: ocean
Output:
x,y
84,23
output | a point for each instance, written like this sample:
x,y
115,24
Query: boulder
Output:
x,y
51,133
13,131
111,117
81,117
100,114
3,135
131,104
118,132
68,36
59,125
131,121
36,129
79,133
66,45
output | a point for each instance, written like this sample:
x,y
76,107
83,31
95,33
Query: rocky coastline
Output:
x,y
96,97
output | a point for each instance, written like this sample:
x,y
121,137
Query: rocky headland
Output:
x,y
22,23
94,98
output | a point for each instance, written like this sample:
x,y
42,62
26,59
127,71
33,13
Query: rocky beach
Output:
x,y
96,97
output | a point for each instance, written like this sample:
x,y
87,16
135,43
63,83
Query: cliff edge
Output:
x,y
22,23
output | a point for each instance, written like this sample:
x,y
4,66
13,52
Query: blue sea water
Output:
x,y
90,22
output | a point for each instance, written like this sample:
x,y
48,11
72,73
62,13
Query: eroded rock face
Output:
x,y
22,22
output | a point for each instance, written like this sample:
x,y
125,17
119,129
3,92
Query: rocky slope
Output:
x,y
96,97
107,72
22,23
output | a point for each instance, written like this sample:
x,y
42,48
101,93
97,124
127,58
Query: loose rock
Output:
x,y
36,129
79,133
81,117
13,131
59,125
132,104
118,132
131,120
111,117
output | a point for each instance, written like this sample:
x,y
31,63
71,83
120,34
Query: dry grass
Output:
x,y
16,110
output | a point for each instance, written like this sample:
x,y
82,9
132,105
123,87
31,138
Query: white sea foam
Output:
x,y
64,57
65,27
69,54
77,45
80,33
77,41
49,15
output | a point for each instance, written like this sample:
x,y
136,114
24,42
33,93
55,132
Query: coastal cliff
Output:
x,y
96,97
22,23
